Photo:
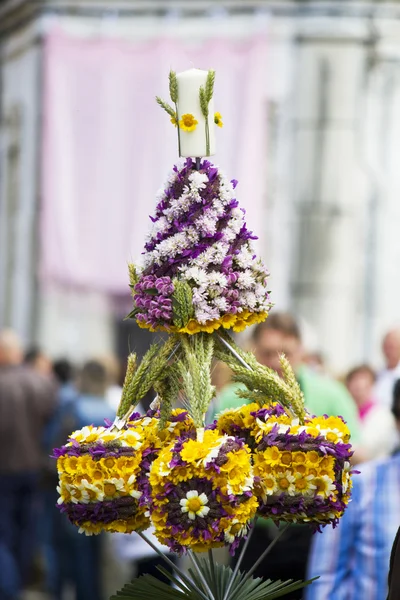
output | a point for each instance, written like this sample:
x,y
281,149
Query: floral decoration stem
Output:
x,y
206,587
261,558
207,138
233,351
190,585
239,561
178,128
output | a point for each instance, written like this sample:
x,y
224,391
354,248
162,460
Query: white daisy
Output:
x,y
236,529
194,504
324,486
285,483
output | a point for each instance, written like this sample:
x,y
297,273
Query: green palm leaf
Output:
x,y
217,577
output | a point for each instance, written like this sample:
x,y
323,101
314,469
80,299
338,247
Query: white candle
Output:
x,y
194,143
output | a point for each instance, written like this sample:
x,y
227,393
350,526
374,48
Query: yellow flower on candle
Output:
x,y
188,122
218,119
174,121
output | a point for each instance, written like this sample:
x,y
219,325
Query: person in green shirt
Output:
x,y
322,394
280,333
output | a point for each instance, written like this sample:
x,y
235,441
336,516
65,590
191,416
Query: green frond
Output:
x,y
217,578
149,371
168,390
195,374
167,107
203,102
133,276
173,87
210,85
182,303
130,371
264,384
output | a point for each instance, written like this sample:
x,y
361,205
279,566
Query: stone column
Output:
x,y
327,275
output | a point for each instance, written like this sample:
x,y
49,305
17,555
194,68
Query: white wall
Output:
x,y
18,197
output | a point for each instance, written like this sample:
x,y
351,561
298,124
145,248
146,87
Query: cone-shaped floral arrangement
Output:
x,y
201,486
199,271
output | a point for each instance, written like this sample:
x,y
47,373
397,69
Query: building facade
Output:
x,y
329,214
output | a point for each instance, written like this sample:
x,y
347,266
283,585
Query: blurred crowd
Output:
x,y
42,401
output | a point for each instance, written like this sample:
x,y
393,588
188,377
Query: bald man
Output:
x,y
389,375
27,401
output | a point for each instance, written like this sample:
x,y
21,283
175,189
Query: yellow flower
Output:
x,y
262,468
118,526
314,431
211,326
299,458
127,464
113,487
188,122
196,452
239,480
87,434
235,530
66,479
286,458
327,463
256,318
174,121
312,458
300,468
240,325
245,413
131,438
227,418
285,483
269,485
65,494
95,493
85,462
108,462
324,486
61,464
109,435
191,327
304,484
79,478
272,455
181,474
79,495
346,479
71,464
195,505
218,119
89,528
228,320
97,474
238,459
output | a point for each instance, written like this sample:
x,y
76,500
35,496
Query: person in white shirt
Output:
x,y
386,379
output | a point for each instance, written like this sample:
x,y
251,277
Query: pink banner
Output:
x,y
108,147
